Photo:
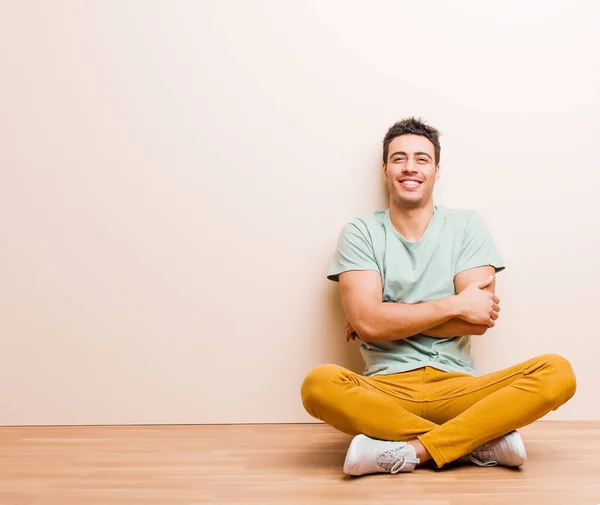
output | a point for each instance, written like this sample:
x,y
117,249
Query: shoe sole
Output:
x,y
350,467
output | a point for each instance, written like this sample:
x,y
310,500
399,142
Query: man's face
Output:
x,y
410,171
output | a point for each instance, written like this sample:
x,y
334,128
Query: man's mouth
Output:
x,y
410,183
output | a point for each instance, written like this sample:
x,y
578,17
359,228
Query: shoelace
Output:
x,y
393,461
483,456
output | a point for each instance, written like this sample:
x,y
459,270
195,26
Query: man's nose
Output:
x,y
410,166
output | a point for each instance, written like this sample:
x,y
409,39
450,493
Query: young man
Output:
x,y
416,281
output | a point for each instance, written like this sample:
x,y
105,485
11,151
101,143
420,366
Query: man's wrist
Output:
x,y
451,307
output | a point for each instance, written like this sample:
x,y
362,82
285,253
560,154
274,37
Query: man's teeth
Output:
x,y
411,184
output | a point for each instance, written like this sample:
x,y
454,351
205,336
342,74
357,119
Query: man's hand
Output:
x,y
349,333
478,306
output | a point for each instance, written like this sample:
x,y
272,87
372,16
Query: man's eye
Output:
x,y
423,160
399,159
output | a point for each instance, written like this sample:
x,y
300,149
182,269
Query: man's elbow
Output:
x,y
367,332
378,334
480,329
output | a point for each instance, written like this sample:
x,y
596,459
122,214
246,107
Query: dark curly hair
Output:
x,y
412,126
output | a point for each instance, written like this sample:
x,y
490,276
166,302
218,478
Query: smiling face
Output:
x,y
411,171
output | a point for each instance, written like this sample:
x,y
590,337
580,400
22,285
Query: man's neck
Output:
x,y
411,223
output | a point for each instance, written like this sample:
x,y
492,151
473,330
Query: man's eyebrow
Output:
x,y
419,153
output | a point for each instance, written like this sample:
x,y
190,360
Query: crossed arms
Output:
x,y
471,311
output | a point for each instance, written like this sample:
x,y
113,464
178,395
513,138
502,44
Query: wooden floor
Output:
x,y
274,464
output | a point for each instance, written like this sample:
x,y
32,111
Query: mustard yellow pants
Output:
x,y
450,413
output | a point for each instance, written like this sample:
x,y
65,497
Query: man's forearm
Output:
x,y
455,328
394,321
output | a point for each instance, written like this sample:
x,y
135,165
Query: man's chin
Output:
x,y
408,202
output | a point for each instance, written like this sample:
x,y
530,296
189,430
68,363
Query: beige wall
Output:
x,y
175,175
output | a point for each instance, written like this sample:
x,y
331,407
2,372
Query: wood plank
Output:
x,y
274,464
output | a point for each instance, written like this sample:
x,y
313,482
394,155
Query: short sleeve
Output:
x,y
478,248
354,251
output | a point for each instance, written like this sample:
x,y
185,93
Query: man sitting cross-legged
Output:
x,y
416,280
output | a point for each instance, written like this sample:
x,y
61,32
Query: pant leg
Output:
x,y
379,407
475,410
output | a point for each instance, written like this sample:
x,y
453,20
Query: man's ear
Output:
x,y
437,173
384,171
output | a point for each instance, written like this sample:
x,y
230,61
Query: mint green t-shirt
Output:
x,y
414,272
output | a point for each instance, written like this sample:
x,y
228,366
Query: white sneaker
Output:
x,y
508,450
367,455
